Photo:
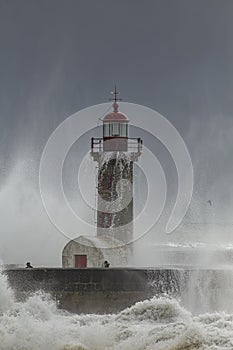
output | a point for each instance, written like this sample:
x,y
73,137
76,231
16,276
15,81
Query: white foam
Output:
x,y
155,324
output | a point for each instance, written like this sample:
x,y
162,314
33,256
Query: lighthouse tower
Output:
x,y
115,154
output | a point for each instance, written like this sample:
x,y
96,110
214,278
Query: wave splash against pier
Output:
x,y
159,323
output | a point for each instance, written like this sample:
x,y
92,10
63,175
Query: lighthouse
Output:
x,y
115,153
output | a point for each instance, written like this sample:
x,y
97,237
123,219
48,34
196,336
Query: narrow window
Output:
x,y
124,130
106,130
115,129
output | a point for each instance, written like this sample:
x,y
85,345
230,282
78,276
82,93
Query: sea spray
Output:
x,y
6,294
155,324
156,309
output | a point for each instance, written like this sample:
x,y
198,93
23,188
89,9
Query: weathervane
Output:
x,y
115,93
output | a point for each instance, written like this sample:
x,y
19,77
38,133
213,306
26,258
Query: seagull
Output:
x,y
210,202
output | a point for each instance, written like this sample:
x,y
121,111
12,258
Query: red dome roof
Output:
x,y
115,116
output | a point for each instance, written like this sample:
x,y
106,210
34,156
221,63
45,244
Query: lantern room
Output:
x,y
115,131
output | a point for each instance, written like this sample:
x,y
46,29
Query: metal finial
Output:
x,y
115,93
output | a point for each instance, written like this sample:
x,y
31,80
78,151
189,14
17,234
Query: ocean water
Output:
x,y
161,323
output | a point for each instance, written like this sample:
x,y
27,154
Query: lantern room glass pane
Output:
x,y
106,130
115,129
124,130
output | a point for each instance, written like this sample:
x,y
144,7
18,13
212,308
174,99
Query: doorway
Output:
x,y
80,261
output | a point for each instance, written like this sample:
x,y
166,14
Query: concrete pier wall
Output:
x,y
94,290
97,290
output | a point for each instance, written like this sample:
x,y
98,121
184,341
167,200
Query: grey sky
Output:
x,y
175,56
60,56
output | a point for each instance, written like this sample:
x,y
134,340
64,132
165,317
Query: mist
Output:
x,y
57,58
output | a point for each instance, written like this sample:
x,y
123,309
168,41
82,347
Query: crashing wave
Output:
x,y
155,324
156,309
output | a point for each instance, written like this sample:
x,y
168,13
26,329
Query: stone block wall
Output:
x,y
93,290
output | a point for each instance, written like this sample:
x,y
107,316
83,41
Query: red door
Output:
x,y
80,261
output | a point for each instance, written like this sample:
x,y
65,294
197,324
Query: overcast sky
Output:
x,y
57,57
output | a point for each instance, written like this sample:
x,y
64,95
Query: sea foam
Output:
x,y
155,324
